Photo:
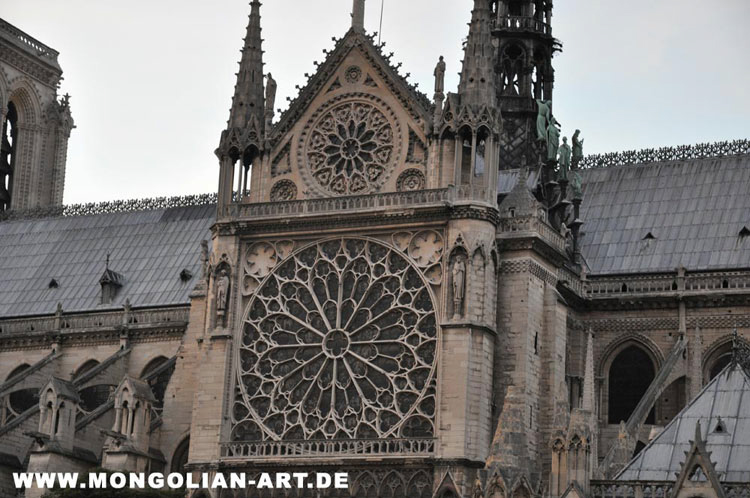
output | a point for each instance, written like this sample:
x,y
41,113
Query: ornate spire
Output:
x,y
477,86
358,15
247,104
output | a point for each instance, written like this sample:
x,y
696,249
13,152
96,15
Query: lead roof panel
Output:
x,y
149,248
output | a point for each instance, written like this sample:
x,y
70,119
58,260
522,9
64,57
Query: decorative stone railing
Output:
x,y
343,448
654,489
521,23
102,320
597,286
625,489
29,42
622,285
360,203
737,490
679,153
510,227
120,206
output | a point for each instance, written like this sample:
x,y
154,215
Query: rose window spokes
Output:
x,y
350,148
339,342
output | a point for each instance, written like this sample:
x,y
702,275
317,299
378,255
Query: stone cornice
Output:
x,y
468,325
38,69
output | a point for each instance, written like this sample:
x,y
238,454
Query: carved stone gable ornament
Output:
x,y
283,190
411,179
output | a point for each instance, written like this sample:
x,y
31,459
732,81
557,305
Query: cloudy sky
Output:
x,y
151,80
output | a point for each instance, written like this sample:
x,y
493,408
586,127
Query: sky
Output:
x,y
151,81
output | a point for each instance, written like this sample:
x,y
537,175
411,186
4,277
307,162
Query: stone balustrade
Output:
x,y
666,283
512,227
34,45
90,321
521,23
340,448
654,489
356,203
624,489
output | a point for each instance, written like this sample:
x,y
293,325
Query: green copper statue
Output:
x,y
553,139
564,159
576,184
543,118
577,149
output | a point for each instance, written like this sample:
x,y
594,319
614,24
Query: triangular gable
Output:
x,y
725,397
698,471
447,487
413,101
574,490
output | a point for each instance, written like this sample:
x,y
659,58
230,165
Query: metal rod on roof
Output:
x,y
380,28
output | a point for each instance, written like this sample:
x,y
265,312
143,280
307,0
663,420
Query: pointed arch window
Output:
x,y
512,65
630,376
466,141
8,156
480,154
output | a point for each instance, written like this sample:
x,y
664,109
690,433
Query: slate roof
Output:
x,y
694,209
727,396
149,248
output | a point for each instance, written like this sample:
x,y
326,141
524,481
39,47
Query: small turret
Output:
x,y
241,143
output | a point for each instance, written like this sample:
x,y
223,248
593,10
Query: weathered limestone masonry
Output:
x,y
35,122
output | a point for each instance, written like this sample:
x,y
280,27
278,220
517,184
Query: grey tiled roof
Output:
x,y
148,248
726,396
694,209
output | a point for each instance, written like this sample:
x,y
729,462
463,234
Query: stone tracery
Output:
x,y
352,146
339,342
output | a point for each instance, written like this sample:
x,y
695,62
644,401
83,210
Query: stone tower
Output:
x,y
525,47
34,122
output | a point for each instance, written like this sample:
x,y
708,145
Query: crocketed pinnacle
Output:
x,y
477,85
247,102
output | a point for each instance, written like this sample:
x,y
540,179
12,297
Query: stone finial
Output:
x,y
358,15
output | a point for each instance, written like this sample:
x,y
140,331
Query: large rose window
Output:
x,y
338,342
350,147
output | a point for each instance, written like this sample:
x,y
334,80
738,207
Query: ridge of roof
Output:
x,y
110,207
713,150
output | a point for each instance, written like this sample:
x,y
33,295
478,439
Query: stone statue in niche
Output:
x,y
222,295
270,93
459,286
577,149
564,159
567,234
440,76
